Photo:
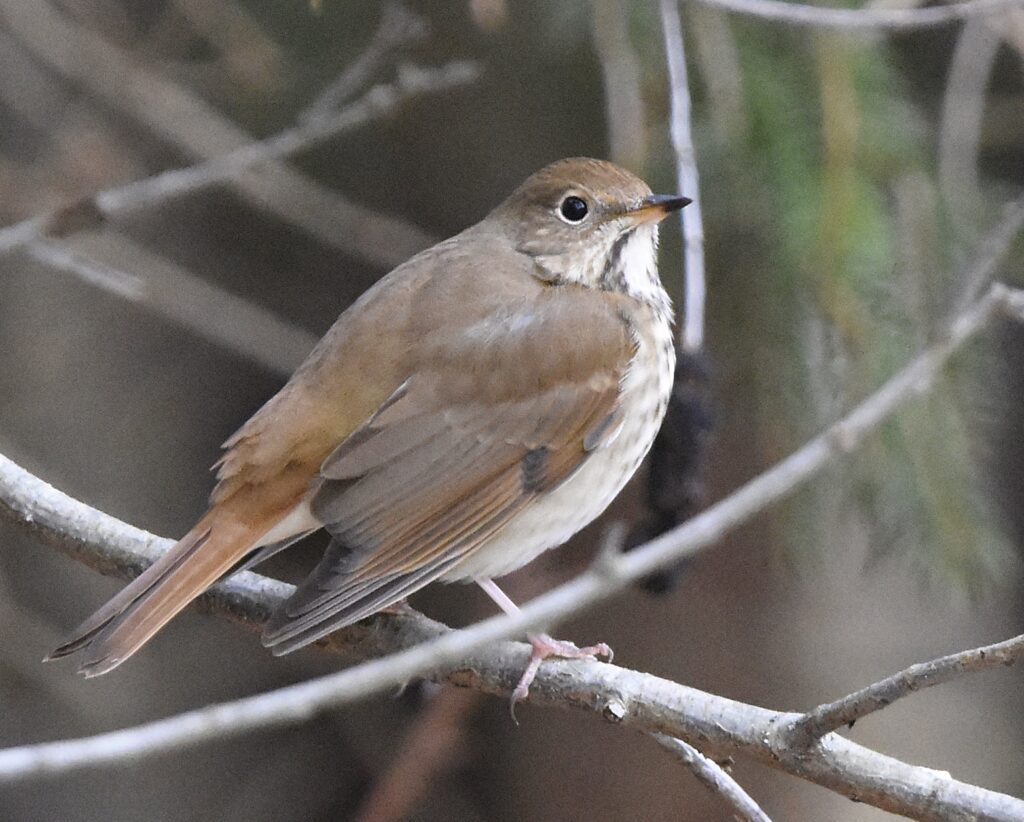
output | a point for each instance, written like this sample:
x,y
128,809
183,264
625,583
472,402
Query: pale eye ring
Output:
x,y
573,209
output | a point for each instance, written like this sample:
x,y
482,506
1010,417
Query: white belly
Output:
x,y
553,518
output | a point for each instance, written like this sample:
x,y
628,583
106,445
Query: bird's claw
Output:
x,y
545,646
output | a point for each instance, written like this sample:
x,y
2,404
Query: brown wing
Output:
x,y
495,414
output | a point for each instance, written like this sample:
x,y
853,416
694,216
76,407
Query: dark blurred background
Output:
x,y
846,183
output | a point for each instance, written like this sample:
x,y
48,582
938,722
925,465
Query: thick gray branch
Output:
x,y
475,658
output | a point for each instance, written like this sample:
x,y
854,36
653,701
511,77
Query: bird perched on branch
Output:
x,y
476,407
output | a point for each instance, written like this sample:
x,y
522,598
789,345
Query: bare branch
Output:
x,y
188,122
19,234
824,719
713,777
991,251
692,328
852,20
379,102
228,319
398,28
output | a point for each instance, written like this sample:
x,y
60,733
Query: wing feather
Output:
x,y
487,421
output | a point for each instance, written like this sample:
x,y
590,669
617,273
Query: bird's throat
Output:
x,y
631,267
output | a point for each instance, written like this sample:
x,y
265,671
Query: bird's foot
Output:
x,y
545,646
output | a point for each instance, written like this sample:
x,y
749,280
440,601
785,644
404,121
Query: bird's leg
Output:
x,y
400,608
543,645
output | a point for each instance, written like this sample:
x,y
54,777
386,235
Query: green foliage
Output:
x,y
838,273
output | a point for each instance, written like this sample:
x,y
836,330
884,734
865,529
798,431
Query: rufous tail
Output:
x,y
122,626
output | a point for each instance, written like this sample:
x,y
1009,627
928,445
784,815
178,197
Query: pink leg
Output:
x,y
543,645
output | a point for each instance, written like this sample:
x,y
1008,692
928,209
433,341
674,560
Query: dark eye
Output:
x,y
573,209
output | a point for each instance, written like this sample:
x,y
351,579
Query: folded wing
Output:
x,y
493,416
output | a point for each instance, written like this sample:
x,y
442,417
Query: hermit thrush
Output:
x,y
479,405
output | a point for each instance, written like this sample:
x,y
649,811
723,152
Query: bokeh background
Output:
x,y
847,182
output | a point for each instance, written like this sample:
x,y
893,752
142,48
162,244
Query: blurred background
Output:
x,y
848,182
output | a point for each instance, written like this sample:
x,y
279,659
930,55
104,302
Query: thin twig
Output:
x,y
399,28
226,318
713,777
691,330
213,313
798,14
381,101
184,120
831,716
991,251
378,102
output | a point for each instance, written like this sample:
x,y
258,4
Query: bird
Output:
x,y
477,406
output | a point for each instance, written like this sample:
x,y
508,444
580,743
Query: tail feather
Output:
x,y
122,626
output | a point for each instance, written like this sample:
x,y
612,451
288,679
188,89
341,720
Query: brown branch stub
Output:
x,y
434,745
812,726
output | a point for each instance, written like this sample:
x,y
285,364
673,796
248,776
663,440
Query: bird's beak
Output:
x,y
657,207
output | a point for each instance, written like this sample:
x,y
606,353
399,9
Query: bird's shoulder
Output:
x,y
468,315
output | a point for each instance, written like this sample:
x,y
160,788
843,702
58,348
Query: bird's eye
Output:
x,y
573,209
